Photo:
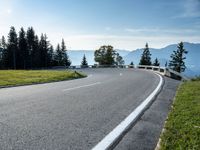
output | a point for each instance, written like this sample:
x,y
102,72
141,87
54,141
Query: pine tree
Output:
x,y
36,54
131,65
177,59
156,62
30,44
146,56
1,56
166,64
46,51
23,51
58,56
50,56
84,63
12,47
42,51
4,52
65,58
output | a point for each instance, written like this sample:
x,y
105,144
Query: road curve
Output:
x,y
74,114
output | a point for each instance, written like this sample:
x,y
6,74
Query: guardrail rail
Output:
x,y
164,71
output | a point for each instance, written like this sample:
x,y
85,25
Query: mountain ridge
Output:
x,y
163,55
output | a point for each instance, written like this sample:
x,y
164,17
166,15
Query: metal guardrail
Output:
x,y
101,66
165,71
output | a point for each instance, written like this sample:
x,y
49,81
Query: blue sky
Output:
x,y
88,24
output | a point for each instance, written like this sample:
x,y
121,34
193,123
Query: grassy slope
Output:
x,y
182,130
23,77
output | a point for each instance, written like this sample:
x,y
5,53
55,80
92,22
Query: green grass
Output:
x,y
24,77
182,129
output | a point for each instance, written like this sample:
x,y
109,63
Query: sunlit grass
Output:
x,y
182,130
24,77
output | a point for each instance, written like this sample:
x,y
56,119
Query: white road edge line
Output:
x,y
78,87
110,139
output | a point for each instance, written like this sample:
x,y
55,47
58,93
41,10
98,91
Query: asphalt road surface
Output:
x,y
74,114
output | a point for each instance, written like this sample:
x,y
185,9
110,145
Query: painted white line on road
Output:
x,y
109,140
78,87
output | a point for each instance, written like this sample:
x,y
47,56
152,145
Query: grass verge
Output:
x,y
24,77
182,129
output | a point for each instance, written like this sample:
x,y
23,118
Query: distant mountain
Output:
x,y
163,54
77,55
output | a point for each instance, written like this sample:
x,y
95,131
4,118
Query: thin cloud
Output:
x,y
191,9
161,30
125,42
139,30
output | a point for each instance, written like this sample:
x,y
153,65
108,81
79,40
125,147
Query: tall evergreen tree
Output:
x,y
166,64
58,56
1,56
177,59
36,54
43,49
12,47
4,53
23,51
84,62
30,44
46,51
3,43
131,65
156,62
66,60
50,56
146,56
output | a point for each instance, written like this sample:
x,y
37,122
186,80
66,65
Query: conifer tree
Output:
x,y
50,56
58,56
36,54
131,63
30,44
156,62
1,56
4,52
177,59
65,58
146,56
23,51
46,51
84,63
12,47
166,64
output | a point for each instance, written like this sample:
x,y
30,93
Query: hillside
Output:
x,y
77,55
163,55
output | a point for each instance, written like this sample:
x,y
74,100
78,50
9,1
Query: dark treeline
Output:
x,y
26,50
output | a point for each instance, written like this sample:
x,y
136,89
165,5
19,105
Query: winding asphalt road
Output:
x,y
74,114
